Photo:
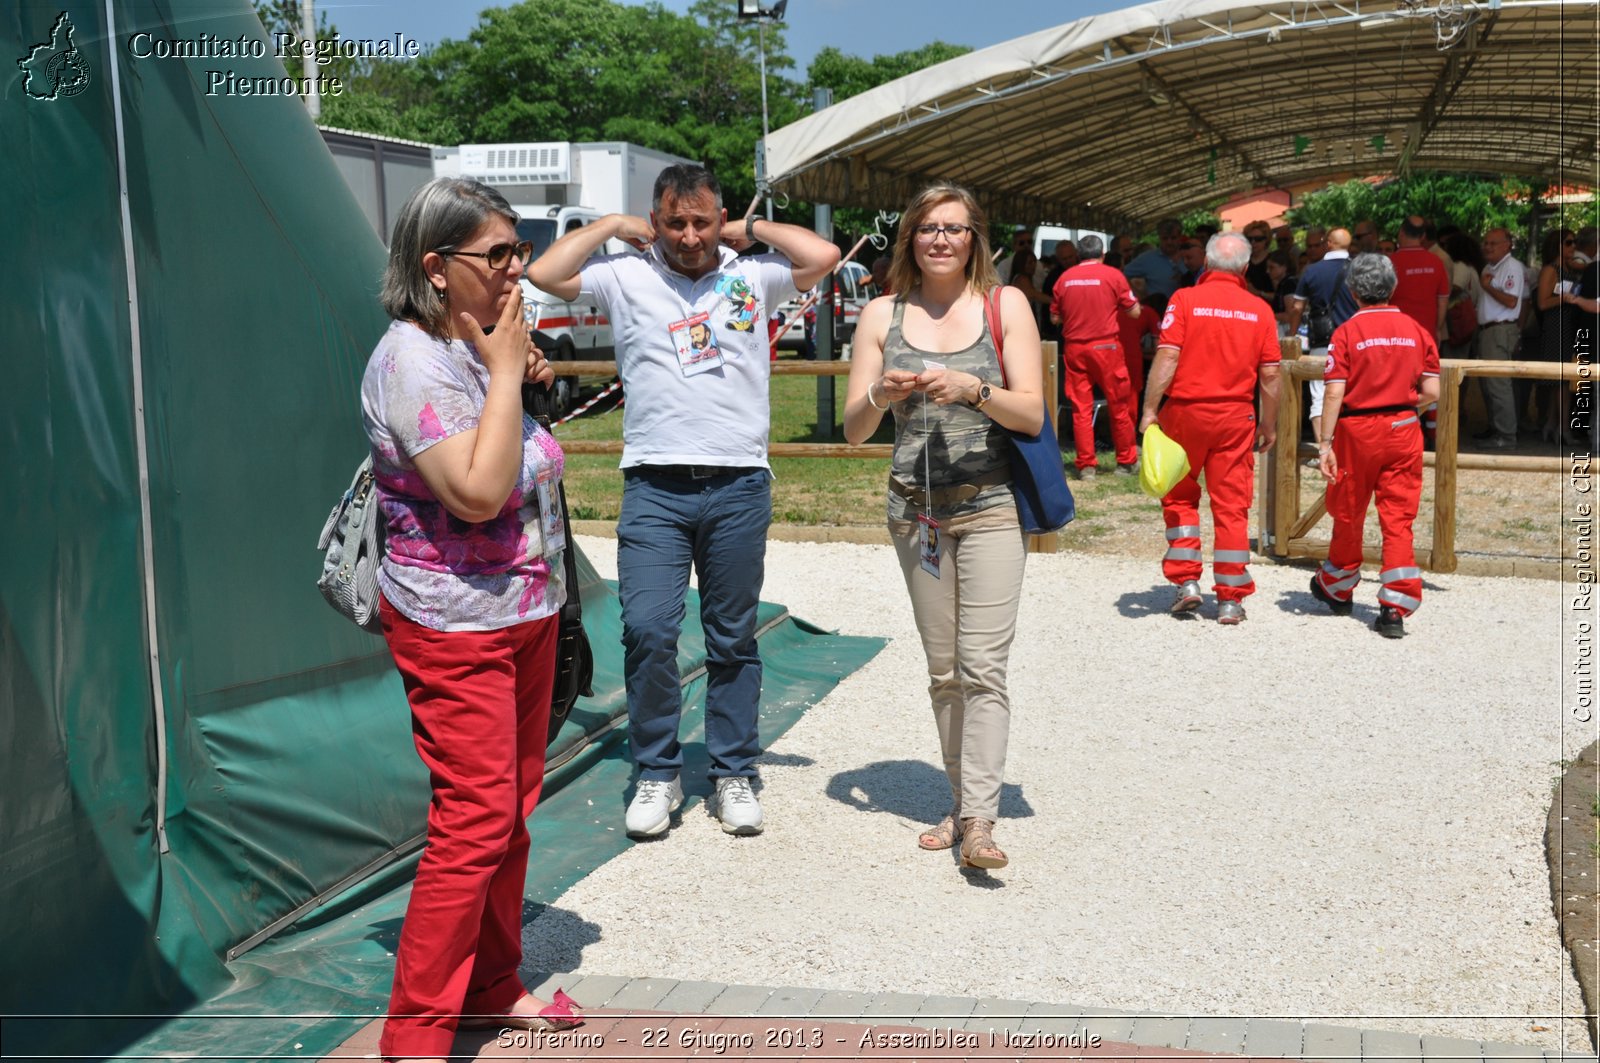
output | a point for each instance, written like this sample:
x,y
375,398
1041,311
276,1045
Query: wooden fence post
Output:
x,y
1446,440
1048,544
1285,464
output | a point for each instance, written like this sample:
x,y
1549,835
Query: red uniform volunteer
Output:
x,y
1224,336
1087,298
1381,357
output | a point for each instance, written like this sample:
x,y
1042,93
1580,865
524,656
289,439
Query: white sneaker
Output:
x,y
652,806
737,806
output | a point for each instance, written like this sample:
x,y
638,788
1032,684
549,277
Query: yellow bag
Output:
x,y
1162,463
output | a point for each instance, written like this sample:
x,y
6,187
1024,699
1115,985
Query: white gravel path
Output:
x,y
1290,818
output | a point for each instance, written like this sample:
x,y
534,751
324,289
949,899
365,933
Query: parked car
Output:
x,y
852,289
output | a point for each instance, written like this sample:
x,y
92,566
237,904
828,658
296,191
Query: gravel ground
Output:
x,y
1290,818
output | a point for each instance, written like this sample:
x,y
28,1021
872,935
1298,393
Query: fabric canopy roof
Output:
x,y
1153,110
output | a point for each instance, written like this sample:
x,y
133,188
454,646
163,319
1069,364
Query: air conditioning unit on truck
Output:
x,y
557,187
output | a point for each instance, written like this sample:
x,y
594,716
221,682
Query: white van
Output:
x,y
1046,237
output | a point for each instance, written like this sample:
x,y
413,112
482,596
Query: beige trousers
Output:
x,y
967,618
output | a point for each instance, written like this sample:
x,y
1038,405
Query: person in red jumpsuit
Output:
x,y
1218,347
1085,302
1381,366
1131,332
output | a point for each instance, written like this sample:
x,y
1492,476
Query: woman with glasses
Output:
x,y
471,586
928,354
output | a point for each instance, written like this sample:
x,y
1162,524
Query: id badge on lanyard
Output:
x,y
551,527
696,344
927,526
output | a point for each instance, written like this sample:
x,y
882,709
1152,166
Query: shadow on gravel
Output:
x,y
1136,605
911,789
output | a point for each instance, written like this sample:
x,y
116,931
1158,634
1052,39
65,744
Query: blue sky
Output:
x,y
856,27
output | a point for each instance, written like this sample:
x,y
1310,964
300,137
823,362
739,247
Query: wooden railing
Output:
x,y
1283,529
1036,543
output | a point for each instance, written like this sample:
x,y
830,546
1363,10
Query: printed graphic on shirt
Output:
x,y
696,344
741,299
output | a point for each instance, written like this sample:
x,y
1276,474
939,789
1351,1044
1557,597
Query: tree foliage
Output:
x,y
849,75
1473,202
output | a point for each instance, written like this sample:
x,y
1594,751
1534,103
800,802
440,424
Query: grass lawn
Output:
x,y
811,491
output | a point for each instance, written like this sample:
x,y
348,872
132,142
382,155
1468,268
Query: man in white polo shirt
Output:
x,y
690,322
1499,311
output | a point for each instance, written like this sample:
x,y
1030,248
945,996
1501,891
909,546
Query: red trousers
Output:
x,y
1219,437
1091,365
1133,358
1377,454
480,706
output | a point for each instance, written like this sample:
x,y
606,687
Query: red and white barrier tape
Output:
x,y
586,407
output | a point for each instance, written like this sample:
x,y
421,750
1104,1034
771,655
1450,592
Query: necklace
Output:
x,y
946,315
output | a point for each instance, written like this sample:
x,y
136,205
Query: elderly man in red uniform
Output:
x,y
1218,344
1085,301
1381,366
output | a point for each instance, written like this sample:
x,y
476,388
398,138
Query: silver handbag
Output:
x,y
352,545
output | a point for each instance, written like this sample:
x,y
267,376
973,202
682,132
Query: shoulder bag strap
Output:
x,y
991,314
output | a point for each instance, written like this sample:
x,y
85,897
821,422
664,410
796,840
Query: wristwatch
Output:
x,y
985,393
750,228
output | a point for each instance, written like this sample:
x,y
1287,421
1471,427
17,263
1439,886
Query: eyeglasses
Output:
x,y
498,256
1568,242
1258,239
954,233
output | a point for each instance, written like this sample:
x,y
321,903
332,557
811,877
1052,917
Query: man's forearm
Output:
x,y
810,255
558,267
1162,370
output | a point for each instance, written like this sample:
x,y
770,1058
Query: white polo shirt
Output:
x,y
1506,276
716,417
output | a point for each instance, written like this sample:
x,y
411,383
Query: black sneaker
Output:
x,y
1335,606
1390,624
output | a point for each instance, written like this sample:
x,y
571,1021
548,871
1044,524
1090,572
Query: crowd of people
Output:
x,y
1473,294
469,482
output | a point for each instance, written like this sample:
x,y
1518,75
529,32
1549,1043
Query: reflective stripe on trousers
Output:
x,y
1379,460
1219,438
1339,582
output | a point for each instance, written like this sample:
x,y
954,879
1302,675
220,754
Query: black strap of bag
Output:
x,y
574,657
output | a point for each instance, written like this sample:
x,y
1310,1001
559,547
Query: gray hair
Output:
x,y
1091,246
1228,252
684,179
1371,278
441,215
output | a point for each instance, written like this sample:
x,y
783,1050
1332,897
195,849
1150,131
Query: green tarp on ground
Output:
x,y
197,748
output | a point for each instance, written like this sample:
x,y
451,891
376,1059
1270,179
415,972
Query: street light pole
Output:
x,y
752,10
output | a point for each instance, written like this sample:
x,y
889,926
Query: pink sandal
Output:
x,y
562,1013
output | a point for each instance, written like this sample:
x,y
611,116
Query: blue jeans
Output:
x,y
719,524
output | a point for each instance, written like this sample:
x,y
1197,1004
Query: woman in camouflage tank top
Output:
x,y
927,353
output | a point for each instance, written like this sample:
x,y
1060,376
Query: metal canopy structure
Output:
x,y
1149,111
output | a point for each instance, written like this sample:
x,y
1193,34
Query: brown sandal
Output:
x,y
977,845
943,836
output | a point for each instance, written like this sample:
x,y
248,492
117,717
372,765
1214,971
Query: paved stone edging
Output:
x,y
1274,1038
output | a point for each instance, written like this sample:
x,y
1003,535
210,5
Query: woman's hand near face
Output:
x,y
509,352
472,473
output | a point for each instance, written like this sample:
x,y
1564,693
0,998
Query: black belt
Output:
x,y
693,472
949,496
1374,411
1497,324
